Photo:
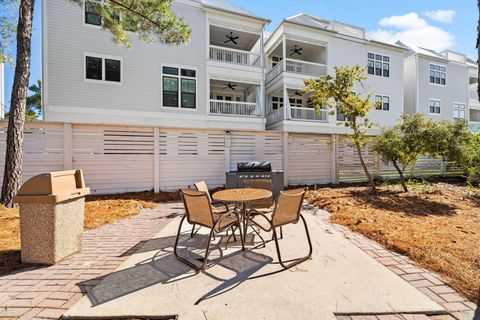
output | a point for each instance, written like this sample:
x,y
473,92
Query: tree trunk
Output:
x,y
402,177
16,120
478,48
371,183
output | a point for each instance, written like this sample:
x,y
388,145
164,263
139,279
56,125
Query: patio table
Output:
x,y
242,197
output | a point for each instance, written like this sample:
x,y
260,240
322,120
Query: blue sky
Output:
x,y
439,24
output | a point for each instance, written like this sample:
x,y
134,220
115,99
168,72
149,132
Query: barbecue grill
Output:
x,y
255,170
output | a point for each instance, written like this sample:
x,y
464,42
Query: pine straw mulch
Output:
x,y
435,224
99,210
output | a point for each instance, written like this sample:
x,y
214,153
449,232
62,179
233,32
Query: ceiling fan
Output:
x,y
296,94
296,50
230,86
231,38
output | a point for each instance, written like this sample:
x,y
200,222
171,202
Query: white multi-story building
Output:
x,y
304,46
215,81
438,84
228,76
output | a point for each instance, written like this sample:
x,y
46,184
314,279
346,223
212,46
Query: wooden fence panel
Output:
x,y
114,159
188,156
349,166
256,146
309,159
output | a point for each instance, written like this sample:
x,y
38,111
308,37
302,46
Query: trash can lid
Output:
x,y
53,187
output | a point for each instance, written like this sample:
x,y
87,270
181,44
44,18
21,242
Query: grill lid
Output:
x,y
254,166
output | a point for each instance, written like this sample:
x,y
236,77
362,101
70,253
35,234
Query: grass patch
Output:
x,y
435,224
99,210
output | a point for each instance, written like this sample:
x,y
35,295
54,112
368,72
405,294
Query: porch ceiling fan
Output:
x,y
230,86
296,50
296,94
231,38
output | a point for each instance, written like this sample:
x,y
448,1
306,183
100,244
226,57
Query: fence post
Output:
x,y
156,159
334,164
285,159
228,143
67,146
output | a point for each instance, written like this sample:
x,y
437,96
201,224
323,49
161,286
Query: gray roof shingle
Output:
x,y
227,6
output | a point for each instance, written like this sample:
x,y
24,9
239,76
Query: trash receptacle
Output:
x,y
51,216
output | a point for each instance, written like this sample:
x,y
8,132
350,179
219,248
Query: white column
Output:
x,y
156,159
67,146
284,52
259,98
286,103
262,50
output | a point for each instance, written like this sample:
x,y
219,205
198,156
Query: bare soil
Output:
x,y
435,224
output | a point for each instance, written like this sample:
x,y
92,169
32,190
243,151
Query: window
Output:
x,y
438,74
295,103
378,65
93,68
275,61
179,88
277,103
434,106
103,69
383,103
340,116
91,15
459,111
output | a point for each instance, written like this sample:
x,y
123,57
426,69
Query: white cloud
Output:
x,y
445,16
413,29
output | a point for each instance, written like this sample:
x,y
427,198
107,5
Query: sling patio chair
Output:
x,y
217,207
199,211
287,211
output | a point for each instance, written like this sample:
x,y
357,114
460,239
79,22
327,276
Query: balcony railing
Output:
x,y
297,66
474,126
472,94
234,108
275,116
309,114
234,56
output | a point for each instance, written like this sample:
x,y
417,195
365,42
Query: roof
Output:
x,y
335,27
226,6
422,51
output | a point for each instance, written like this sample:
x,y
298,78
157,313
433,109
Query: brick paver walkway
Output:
x,y
45,293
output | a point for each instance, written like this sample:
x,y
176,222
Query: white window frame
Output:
x,y
439,105
179,77
430,64
383,97
103,57
375,54
89,25
457,106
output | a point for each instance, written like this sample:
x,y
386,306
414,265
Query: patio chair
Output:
x,y
217,207
199,211
287,211
263,204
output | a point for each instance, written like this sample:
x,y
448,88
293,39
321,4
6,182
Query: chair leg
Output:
x,y
299,260
207,251
193,231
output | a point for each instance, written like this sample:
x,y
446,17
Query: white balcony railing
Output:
x,y
305,67
234,56
309,114
234,108
474,126
297,66
275,116
472,94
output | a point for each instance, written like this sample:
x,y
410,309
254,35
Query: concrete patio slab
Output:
x,y
339,279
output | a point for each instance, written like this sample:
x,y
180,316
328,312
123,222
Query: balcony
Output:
x,y
234,46
234,56
310,114
234,108
296,57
